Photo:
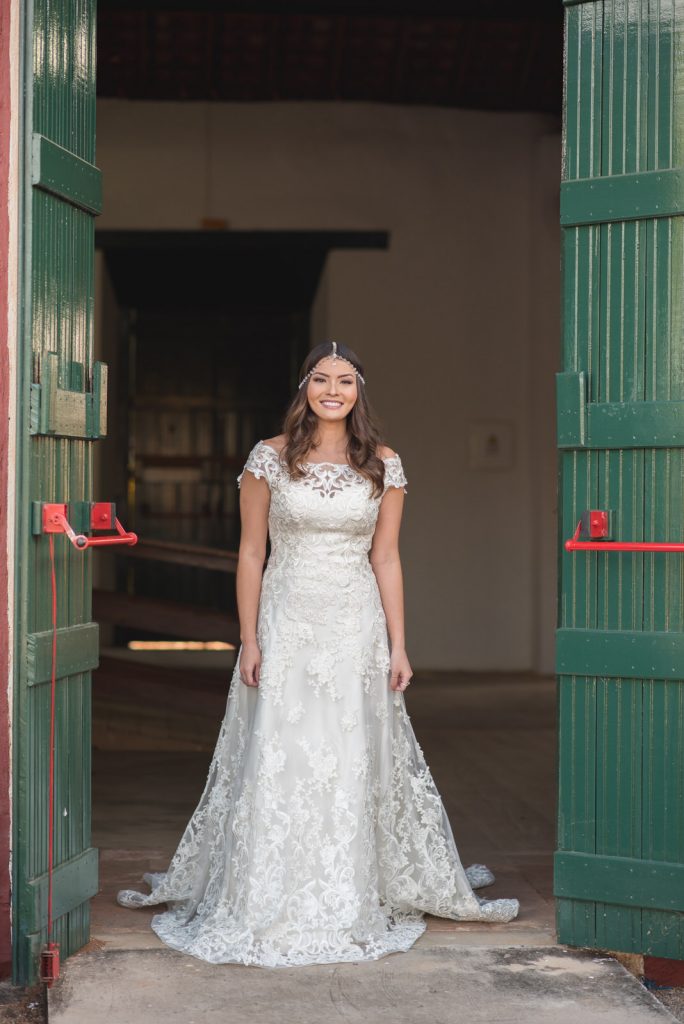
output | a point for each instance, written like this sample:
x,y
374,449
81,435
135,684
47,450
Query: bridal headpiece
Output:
x,y
335,357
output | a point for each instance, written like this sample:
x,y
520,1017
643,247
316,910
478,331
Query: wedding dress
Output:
x,y
320,836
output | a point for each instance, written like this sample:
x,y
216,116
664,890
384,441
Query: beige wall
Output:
x,y
109,473
457,322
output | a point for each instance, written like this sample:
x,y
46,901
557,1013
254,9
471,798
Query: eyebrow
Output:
x,y
349,373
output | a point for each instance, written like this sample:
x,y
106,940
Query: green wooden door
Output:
x,y
59,414
619,867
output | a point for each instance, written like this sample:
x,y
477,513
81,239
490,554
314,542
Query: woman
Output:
x,y
320,836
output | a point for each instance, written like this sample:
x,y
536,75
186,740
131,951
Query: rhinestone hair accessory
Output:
x,y
335,357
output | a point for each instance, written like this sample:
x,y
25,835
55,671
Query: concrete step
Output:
x,y
430,984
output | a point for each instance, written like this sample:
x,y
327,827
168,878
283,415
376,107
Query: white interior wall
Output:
x,y
109,474
545,346
450,322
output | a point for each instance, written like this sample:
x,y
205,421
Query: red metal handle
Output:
x,y
55,521
81,541
574,544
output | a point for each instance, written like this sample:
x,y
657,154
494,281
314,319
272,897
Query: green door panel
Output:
x,y
66,410
78,650
631,654
620,881
632,424
63,174
61,408
619,866
72,881
616,197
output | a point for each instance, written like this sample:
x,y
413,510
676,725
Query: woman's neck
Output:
x,y
331,439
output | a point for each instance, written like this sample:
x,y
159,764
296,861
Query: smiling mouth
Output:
x,y
331,402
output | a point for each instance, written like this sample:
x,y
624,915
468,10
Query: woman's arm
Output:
x,y
386,563
255,498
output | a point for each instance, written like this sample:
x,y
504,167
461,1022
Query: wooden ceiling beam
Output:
x,y
455,61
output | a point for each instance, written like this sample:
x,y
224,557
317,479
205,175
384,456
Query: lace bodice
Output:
x,y
328,512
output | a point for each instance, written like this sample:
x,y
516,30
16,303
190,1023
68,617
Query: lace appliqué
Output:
x,y
394,473
262,461
326,478
320,836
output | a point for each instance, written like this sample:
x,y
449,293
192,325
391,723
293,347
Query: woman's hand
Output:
x,y
400,670
250,663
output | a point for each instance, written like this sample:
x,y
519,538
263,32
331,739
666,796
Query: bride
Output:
x,y
320,836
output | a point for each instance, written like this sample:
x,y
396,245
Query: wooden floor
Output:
x,y
490,742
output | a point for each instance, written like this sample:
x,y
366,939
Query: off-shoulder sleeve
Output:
x,y
262,461
394,473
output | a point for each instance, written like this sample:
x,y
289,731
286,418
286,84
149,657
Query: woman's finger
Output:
x,y
247,676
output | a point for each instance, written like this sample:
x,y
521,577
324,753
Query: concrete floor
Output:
x,y
437,985
490,743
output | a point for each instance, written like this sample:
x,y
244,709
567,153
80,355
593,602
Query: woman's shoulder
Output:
x,y
264,460
385,452
276,444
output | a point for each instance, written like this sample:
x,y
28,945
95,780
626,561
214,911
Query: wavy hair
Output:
x,y
364,435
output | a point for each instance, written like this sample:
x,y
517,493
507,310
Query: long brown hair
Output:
x,y
363,429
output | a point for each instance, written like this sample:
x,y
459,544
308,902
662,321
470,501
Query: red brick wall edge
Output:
x,y
5,724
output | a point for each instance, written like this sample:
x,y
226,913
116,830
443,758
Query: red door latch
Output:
x,y
102,517
593,534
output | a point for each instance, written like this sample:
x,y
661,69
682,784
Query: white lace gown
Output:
x,y
320,836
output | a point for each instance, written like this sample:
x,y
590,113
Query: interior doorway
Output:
x,y
424,233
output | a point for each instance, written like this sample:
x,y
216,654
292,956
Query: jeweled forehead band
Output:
x,y
335,356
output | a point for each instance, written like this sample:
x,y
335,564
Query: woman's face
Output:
x,y
331,389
